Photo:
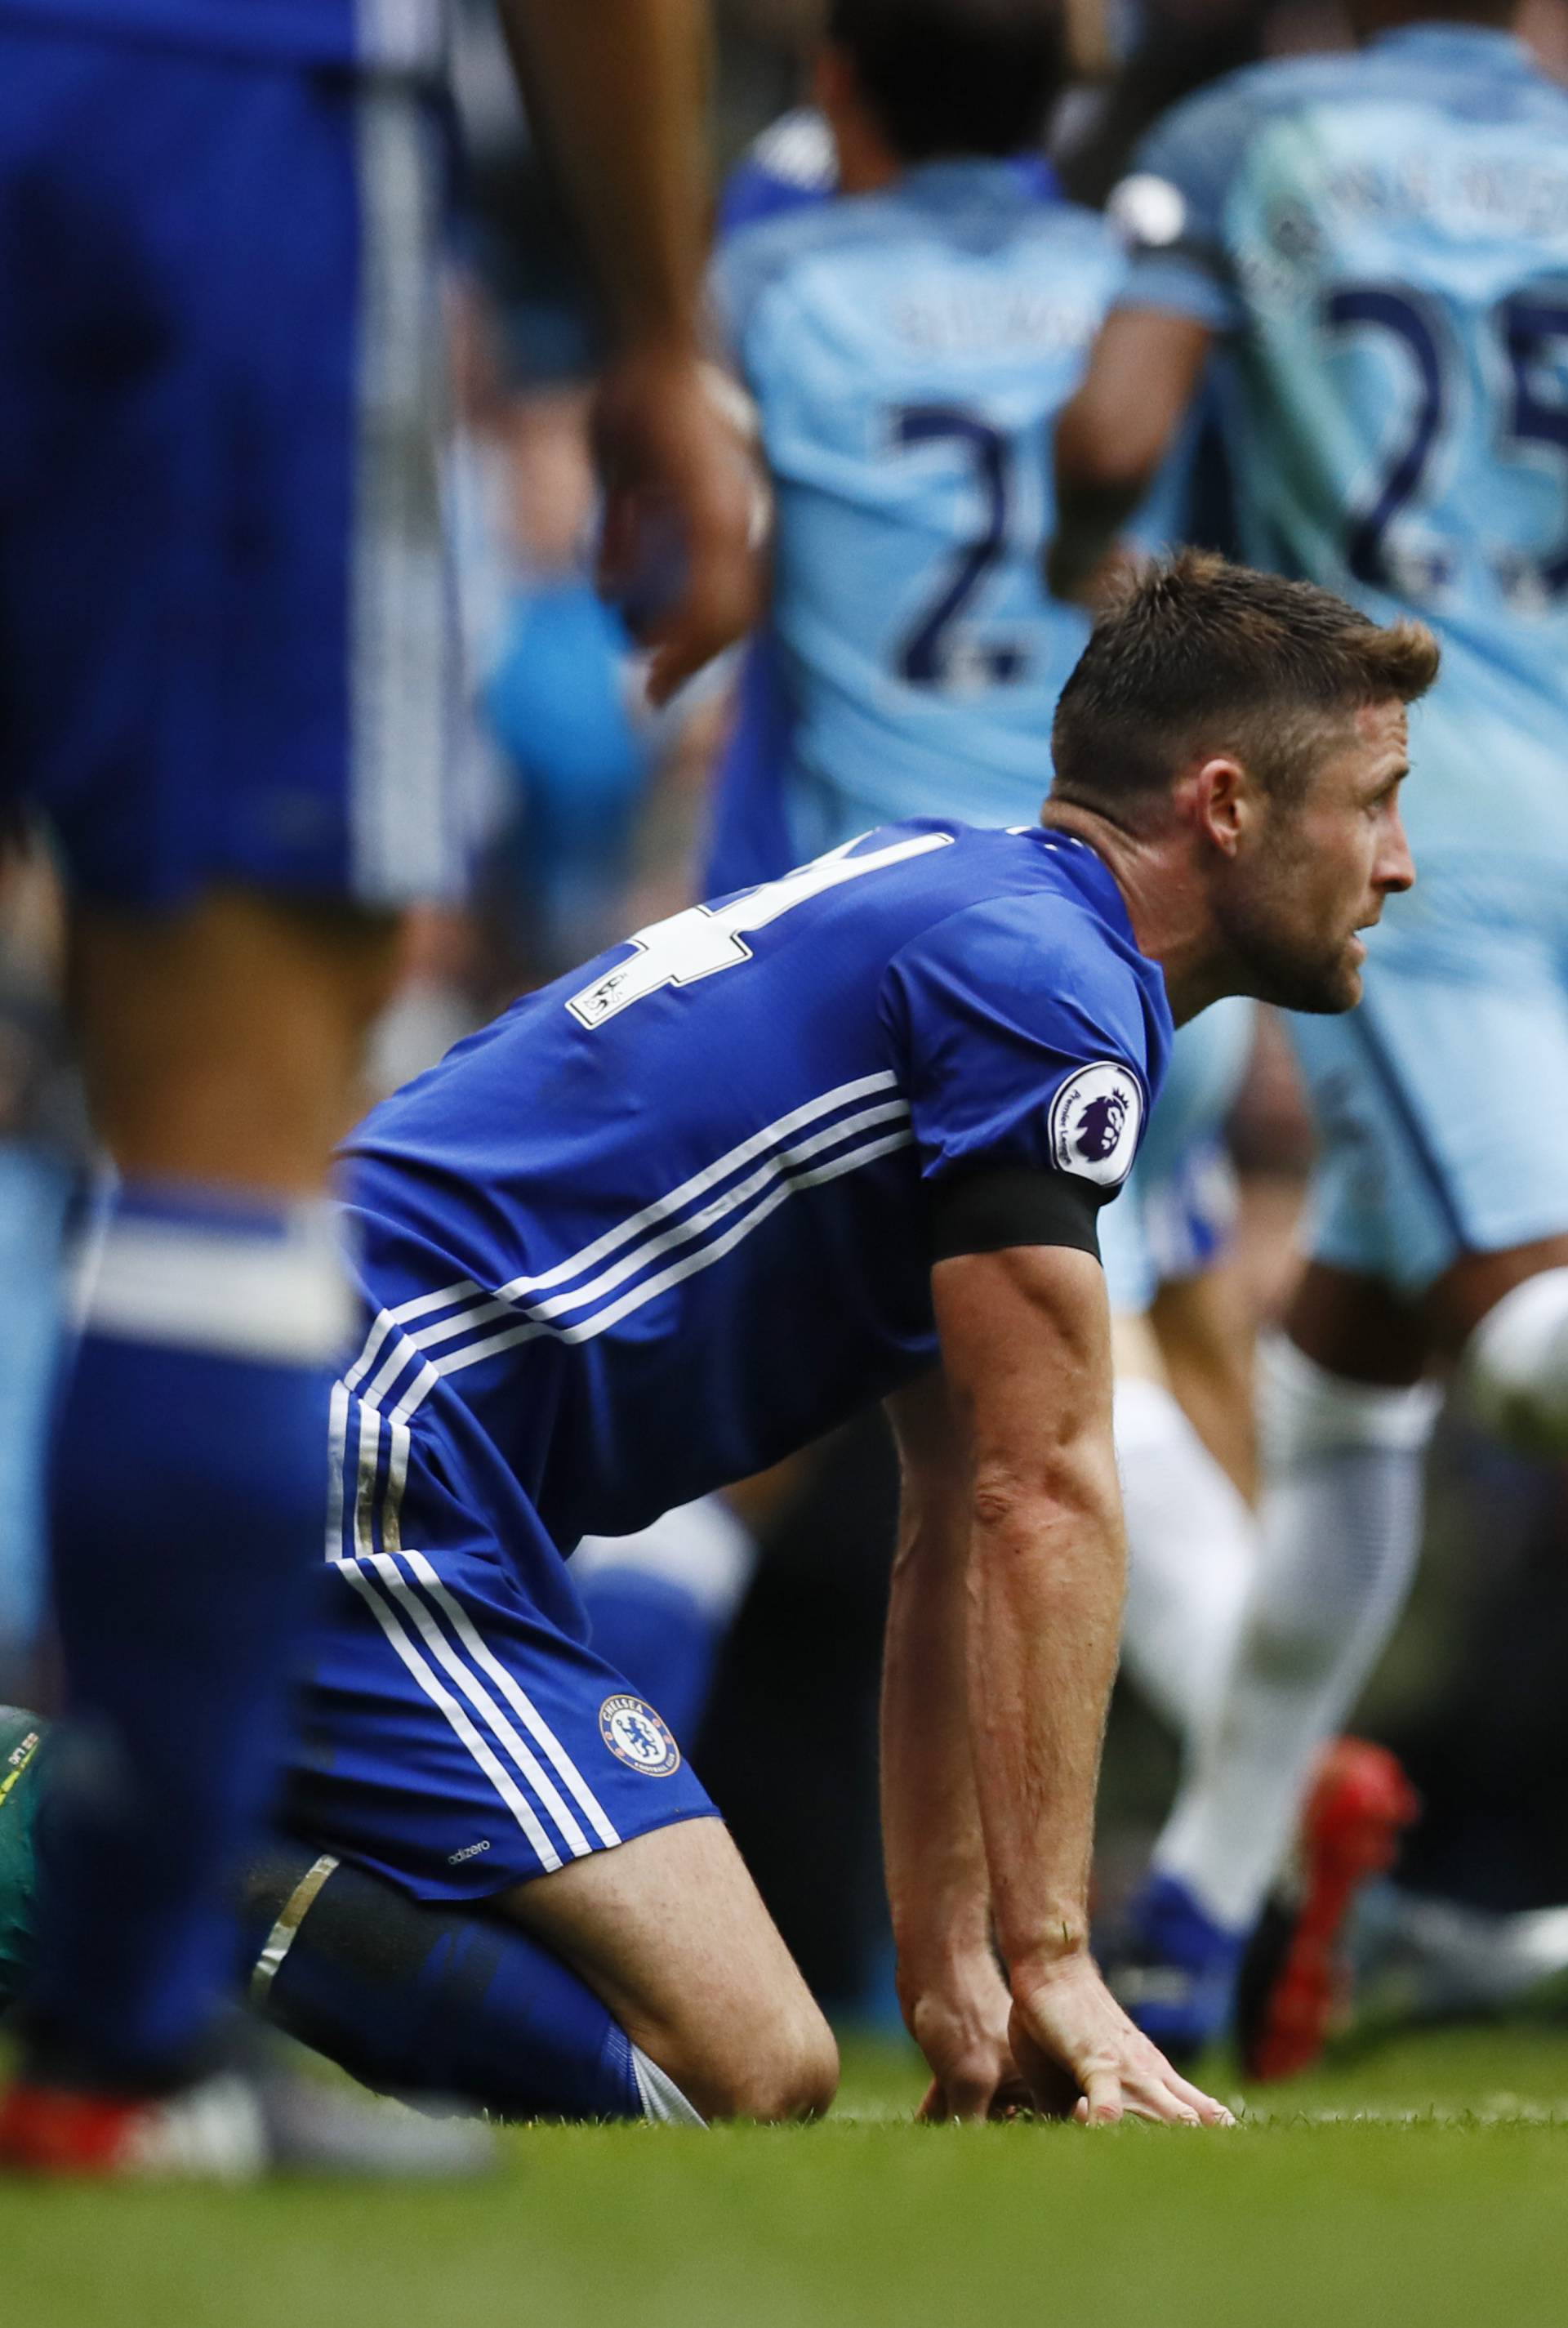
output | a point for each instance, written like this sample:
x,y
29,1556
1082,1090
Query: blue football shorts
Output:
x,y
457,1733
226,619
1442,1102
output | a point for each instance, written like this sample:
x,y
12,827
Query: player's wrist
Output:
x,y
954,1962
1052,1946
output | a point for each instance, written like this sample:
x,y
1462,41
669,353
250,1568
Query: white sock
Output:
x,y
662,2100
1190,1541
1339,1533
1515,1369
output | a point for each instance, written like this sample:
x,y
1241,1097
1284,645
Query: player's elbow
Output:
x,y
1073,1477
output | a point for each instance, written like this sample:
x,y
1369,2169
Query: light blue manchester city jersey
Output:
x,y
908,352
1385,237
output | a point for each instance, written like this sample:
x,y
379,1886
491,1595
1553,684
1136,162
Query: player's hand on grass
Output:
x,y
960,2026
679,549
1083,2058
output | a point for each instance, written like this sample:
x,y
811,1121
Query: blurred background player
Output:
x,y
908,298
1377,248
223,607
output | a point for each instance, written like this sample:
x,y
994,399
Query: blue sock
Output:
x,y
189,1489
417,1999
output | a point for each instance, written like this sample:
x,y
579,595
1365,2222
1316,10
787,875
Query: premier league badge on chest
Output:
x,y
1094,1123
636,1736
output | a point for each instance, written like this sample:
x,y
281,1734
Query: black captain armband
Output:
x,y
984,1212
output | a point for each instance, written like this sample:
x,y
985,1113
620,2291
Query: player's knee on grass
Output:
x,y
772,2058
670,1931
795,2074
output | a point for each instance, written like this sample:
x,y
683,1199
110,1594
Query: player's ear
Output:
x,y
1224,801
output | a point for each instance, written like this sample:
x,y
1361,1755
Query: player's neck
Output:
x,y
1167,905
866,166
865,160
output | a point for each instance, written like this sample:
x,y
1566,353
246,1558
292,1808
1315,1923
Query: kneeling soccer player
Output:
x,y
841,1137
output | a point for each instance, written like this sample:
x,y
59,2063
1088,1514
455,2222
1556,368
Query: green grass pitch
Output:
x,y
1426,2185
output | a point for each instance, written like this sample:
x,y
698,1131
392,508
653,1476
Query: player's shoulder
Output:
x,y
1039,914
775,245
1476,72
1184,168
1184,171
770,245
791,260
1067,226
1212,128
790,166
1467,73
776,249
1026,1026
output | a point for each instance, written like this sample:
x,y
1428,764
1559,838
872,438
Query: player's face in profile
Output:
x,y
1325,866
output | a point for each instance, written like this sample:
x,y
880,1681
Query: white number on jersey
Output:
x,y
704,939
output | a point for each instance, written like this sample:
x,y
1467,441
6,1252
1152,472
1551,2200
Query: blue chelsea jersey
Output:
x,y
908,352
1383,240
667,1219
381,35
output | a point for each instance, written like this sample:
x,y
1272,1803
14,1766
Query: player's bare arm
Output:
x,y
1112,436
618,86
954,2000
1026,1343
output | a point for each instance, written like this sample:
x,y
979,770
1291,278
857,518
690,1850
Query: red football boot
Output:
x,y
230,2128
213,2131
1293,1983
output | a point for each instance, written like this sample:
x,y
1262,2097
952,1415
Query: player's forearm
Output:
x,y
619,89
938,1886
1048,1565
1112,436
1103,467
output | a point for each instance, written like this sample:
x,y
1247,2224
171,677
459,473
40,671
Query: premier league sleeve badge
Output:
x,y
1095,1120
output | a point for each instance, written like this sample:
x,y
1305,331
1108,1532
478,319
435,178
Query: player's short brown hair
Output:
x,y
1197,655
